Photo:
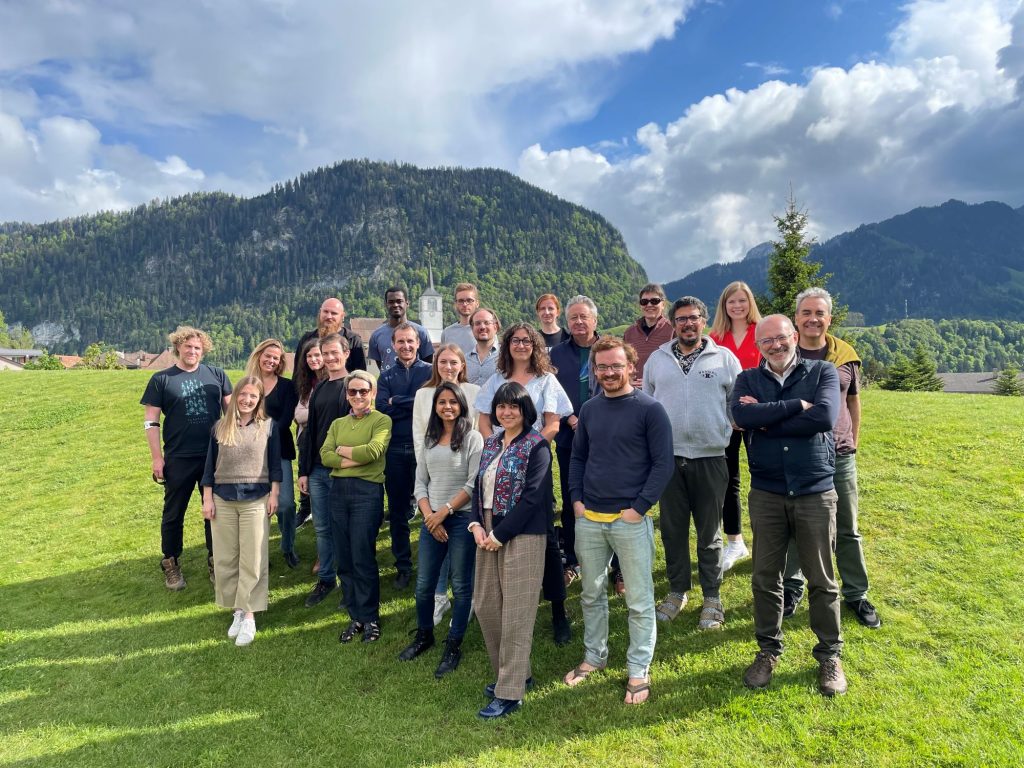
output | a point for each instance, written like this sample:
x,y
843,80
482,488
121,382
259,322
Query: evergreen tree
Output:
x,y
898,376
924,379
1008,382
789,270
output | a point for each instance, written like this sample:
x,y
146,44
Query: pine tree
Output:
x,y
1008,382
924,379
898,375
789,270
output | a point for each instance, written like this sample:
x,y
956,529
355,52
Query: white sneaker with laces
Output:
x,y
441,606
734,552
236,624
247,632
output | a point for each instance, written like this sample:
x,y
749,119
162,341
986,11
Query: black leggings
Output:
x,y
731,509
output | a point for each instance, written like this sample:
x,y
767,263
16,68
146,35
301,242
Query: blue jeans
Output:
x,y
634,544
357,510
460,552
399,479
286,507
320,500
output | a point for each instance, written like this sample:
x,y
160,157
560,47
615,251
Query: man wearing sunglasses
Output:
x,y
789,405
651,329
693,378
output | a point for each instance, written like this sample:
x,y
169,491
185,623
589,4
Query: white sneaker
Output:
x,y
441,606
247,632
734,552
236,624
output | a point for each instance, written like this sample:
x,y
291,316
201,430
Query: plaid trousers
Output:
x,y
505,597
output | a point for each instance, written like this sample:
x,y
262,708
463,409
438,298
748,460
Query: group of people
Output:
x,y
462,434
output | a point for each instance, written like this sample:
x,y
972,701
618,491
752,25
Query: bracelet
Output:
x,y
150,425
451,509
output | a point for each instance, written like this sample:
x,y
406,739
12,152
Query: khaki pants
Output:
x,y
241,536
505,598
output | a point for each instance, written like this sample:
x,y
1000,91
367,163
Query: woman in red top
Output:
x,y
735,319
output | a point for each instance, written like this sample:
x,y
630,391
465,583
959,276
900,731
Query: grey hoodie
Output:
x,y
697,402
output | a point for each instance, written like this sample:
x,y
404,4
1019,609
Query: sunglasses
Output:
x,y
650,302
357,392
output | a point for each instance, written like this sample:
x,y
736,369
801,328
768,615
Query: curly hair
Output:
x,y
539,363
183,333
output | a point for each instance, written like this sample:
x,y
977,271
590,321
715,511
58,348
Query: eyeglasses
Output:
x,y
465,301
616,367
357,392
515,341
682,319
650,302
773,340
579,318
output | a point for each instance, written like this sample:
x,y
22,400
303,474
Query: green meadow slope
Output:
x,y
101,666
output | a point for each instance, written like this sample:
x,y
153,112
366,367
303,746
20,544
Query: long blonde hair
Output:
x,y
227,432
723,324
252,368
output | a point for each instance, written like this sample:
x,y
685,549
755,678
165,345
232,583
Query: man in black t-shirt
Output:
x,y
330,320
190,395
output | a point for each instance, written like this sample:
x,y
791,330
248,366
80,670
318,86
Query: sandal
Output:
x,y
712,615
371,632
353,629
670,607
578,675
632,689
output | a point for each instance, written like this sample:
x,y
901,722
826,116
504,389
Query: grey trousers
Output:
x,y
811,521
506,593
697,488
853,569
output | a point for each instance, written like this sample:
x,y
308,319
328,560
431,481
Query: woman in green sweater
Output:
x,y
354,450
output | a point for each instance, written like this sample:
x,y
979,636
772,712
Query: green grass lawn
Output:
x,y
100,665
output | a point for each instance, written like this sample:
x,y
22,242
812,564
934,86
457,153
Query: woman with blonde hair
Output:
x,y
733,328
279,400
241,484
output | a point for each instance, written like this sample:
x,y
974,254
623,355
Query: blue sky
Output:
x,y
683,122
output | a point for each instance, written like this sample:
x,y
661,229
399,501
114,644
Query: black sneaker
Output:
x,y
424,639
320,590
790,600
865,613
402,579
450,658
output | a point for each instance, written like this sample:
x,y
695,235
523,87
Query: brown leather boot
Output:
x,y
173,579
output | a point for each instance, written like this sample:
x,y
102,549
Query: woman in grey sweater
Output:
x,y
444,484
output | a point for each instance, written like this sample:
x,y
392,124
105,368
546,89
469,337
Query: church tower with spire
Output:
x,y
431,310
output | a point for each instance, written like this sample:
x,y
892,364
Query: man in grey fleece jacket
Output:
x,y
692,377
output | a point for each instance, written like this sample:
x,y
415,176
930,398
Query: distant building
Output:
x,y
432,311
15,359
970,383
69,361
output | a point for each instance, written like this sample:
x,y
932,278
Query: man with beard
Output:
x,y
482,358
381,349
790,405
693,378
621,462
332,320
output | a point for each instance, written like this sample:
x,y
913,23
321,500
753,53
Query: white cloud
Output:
x,y
857,144
310,83
768,68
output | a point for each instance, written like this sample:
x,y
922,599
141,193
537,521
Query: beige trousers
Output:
x,y
505,597
241,537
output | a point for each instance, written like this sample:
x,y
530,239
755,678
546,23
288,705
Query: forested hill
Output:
x,y
258,267
950,261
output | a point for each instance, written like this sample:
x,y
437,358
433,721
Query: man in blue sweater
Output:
x,y
789,406
621,462
396,393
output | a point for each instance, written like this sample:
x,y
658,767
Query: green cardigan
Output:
x,y
368,437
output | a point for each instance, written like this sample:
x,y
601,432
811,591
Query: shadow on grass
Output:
x,y
106,666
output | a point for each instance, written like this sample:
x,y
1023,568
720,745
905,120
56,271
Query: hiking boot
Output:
x,y
173,579
759,674
831,678
450,658
712,614
865,613
790,600
424,639
320,590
